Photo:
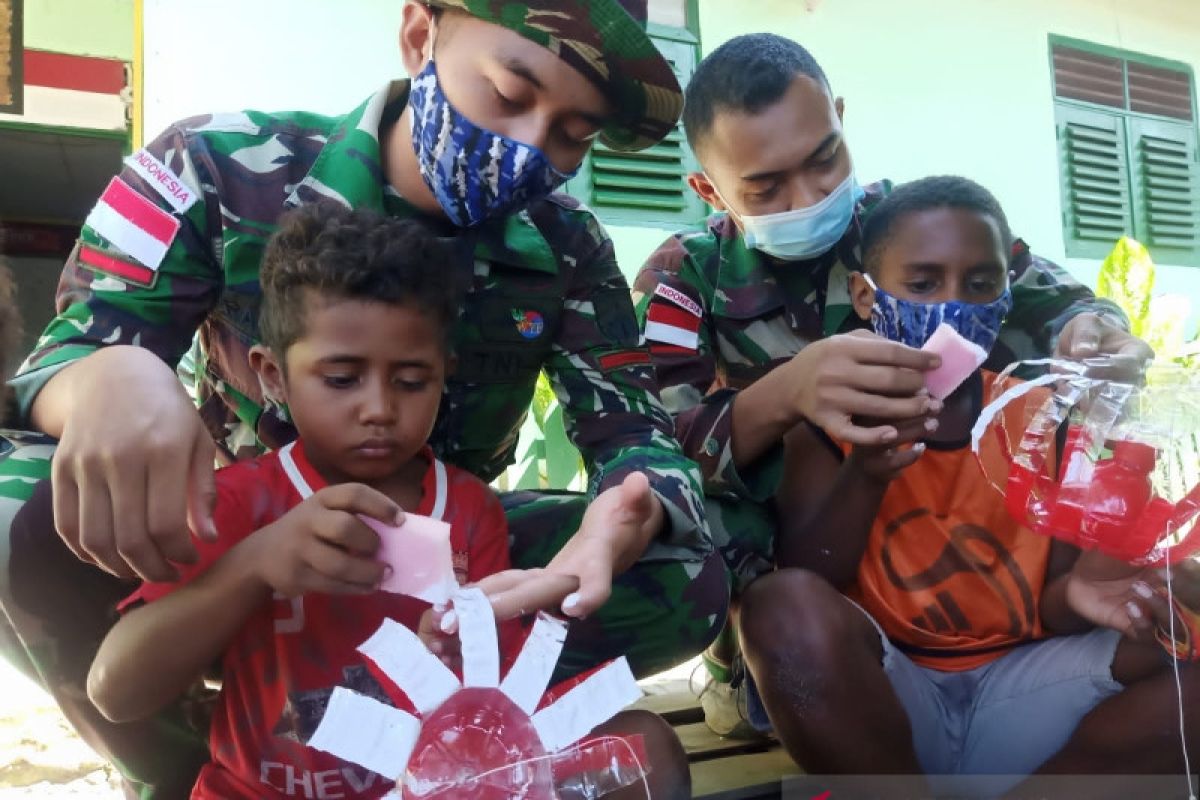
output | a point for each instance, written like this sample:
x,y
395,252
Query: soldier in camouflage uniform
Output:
x,y
746,315
171,255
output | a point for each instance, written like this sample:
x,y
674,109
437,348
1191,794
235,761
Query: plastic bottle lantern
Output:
x,y
1101,464
483,738
1127,482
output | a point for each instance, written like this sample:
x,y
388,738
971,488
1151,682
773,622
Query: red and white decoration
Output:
x,y
74,91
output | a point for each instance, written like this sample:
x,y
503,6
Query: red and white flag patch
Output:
x,y
671,324
134,224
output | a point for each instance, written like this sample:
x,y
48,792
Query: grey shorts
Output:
x,y
1005,718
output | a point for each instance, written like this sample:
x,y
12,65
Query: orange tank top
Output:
x,y
953,580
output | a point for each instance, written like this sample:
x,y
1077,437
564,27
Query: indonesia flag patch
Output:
x,y
134,224
672,324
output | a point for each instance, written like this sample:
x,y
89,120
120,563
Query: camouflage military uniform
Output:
x,y
755,315
543,293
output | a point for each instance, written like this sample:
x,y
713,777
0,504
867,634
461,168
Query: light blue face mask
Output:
x,y
805,232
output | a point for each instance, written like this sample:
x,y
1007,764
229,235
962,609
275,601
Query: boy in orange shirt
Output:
x,y
913,626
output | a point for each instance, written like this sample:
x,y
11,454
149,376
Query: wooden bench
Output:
x,y
722,769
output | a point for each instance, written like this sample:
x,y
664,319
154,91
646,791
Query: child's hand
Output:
x,y
1112,594
884,462
321,546
442,643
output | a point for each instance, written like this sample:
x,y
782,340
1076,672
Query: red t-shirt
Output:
x,y
951,578
282,666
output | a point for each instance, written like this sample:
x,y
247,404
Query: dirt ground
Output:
x,y
40,756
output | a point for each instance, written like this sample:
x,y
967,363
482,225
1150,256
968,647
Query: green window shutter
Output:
x,y
1166,188
1094,171
648,187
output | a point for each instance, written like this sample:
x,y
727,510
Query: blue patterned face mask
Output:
x,y
913,323
475,174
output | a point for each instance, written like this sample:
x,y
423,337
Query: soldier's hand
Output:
x,y
322,546
859,374
436,631
613,534
134,468
1091,335
518,593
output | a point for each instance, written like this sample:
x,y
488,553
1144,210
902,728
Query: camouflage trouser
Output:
x,y
744,533
56,611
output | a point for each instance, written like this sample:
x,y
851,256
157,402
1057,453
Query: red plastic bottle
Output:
x,y
1121,488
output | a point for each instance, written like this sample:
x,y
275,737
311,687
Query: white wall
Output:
x,y
964,86
270,55
931,86
287,54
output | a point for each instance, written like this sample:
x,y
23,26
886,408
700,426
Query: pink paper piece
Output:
x,y
960,358
419,554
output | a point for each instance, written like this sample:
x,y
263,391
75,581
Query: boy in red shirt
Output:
x,y
356,319
913,625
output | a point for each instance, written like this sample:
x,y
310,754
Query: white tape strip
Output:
x,y
408,663
366,732
477,632
996,406
526,682
592,702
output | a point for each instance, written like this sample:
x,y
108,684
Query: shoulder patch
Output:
x,y
624,358
678,298
163,180
670,324
125,270
133,224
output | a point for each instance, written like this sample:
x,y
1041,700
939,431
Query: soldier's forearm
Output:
x,y
52,404
120,368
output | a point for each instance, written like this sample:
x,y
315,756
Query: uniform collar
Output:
x,y
349,170
306,480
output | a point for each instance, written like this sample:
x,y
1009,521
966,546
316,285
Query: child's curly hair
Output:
x,y
355,255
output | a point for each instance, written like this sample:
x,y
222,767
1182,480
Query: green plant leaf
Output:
x,y
563,462
1163,329
543,398
1127,278
531,475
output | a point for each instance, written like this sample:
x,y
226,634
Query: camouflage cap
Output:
x,y
606,40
